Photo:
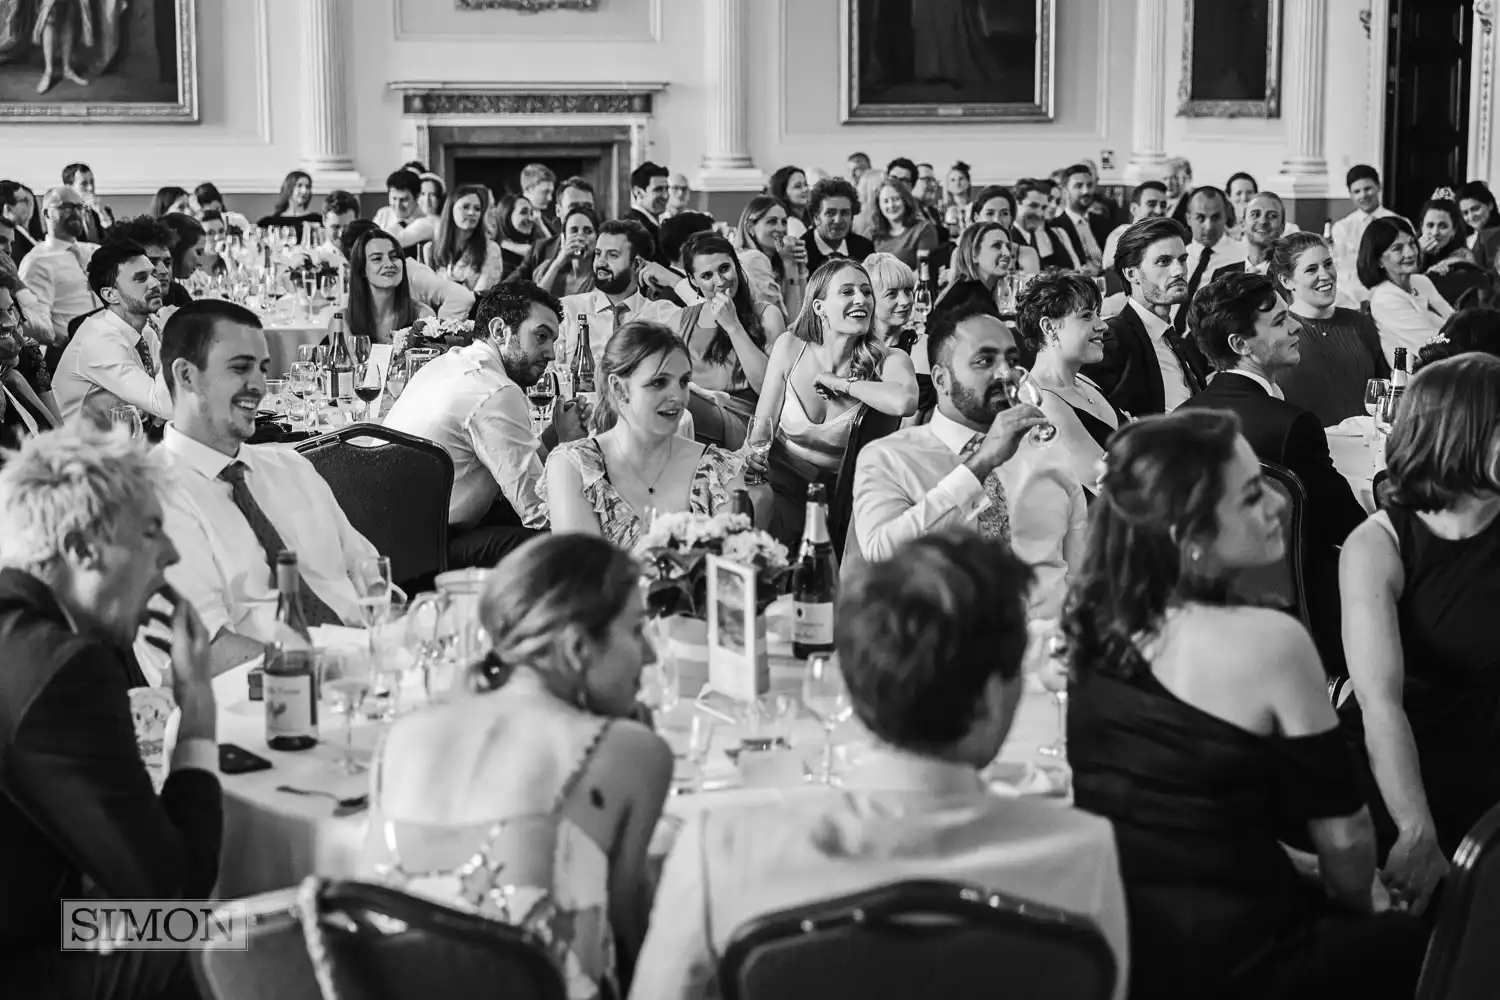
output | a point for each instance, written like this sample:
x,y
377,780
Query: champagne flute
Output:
x,y
345,678
361,348
320,355
826,697
758,444
1020,388
1054,677
1385,413
367,386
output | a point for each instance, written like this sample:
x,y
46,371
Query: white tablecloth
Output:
x,y
1357,452
273,839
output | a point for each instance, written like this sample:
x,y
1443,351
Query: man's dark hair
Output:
x,y
1053,294
190,331
902,163
10,191
206,194
942,327
340,202
581,183
104,265
1180,213
1077,168
404,180
1135,241
642,246
920,635
1139,194
641,176
1227,307
1026,185
676,231
511,302
1361,172
831,187
146,230
71,171
351,234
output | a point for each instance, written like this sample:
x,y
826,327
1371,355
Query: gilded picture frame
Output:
x,y
935,60
1222,76
131,61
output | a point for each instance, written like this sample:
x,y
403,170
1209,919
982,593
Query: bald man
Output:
x,y
56,272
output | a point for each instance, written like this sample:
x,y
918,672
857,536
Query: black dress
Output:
x,y
1450,598
1215,907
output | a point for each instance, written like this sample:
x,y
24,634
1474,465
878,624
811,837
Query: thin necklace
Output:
x,y
651,486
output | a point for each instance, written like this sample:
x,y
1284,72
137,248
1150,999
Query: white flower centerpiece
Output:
x,y
437,333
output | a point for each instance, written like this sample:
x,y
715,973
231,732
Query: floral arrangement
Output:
x,y
310,262
674,553
439,333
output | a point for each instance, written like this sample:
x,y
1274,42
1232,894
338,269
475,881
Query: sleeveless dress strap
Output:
x,y
565,792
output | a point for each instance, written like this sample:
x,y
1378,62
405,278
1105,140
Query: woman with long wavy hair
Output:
x,y
636,463
816,381
985,254
532,798
461,250
516,230
294,205
789,186
1201,727
765,244
380,299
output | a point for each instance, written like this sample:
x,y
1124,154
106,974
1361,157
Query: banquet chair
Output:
x,y
375,942
1462,961
918,939
394,488
1280,585
275,963
869,425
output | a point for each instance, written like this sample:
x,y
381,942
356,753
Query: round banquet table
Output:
x,y
274,839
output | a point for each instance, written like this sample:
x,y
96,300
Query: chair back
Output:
x,y
1280,585
274,965
918,939
1462,961
374,942
394,488
869,425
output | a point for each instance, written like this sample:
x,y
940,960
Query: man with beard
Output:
x,y
1148,366
623,255
233,507
56,272
832,207
1084,229
113,358
472,402
972,465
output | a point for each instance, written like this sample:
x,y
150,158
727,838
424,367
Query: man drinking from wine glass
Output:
x,y
930,644
970,465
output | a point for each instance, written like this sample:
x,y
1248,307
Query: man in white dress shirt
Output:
x,y
1363,182
1082,228
472,402
230,506
401,217
1211,251
971,465
112,358
931,645
1263,225
622,253
56,271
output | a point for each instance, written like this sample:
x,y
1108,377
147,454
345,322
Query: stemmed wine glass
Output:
x,y
700,738
367,386
1376,389
1054,677
361,348
346,678
541,396
1021,388
826,696
129,417
758,442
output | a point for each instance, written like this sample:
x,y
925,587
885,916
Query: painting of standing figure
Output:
x,y
98,60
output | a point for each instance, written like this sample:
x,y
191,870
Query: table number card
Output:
x,y
738,665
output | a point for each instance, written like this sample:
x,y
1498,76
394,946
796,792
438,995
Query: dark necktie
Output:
x,y
1180,323
144,350
313,608
1190,375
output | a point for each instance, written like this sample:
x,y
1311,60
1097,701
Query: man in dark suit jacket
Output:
x,y
649,191
832,206
1147,367
1086,231
78,815
1244,329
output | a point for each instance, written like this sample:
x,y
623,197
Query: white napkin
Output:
x,y
1357,426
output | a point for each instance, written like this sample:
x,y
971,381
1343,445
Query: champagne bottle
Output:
x,y
338,379
291,683
583,359
815,581
1399,376
921,305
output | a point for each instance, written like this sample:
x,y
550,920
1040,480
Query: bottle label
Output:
x,y
290,709
812,624
257,681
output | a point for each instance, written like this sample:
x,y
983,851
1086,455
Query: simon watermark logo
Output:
x,y
154,924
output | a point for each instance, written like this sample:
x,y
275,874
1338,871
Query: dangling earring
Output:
x,y
1195,556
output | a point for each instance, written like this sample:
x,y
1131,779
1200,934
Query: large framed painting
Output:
x,y
920,60
99,60
1226,73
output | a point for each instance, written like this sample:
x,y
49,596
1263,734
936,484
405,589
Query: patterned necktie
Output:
x,y
1090,243
1180,323
313,608
994,520
144,350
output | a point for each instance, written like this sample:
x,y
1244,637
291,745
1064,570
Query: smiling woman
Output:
x,y
379,292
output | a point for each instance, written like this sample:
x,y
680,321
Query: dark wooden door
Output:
x,y
1427,100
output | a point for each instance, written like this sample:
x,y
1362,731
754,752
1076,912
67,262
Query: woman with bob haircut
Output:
x,y
1203,730
531,799
1406,306
1421,586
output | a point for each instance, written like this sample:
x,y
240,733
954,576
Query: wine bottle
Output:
x,y
583,359
338,379
921,305
1399,376
291,683
742,504
815,581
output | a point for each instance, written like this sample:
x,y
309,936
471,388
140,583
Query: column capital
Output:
x,y
729,178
